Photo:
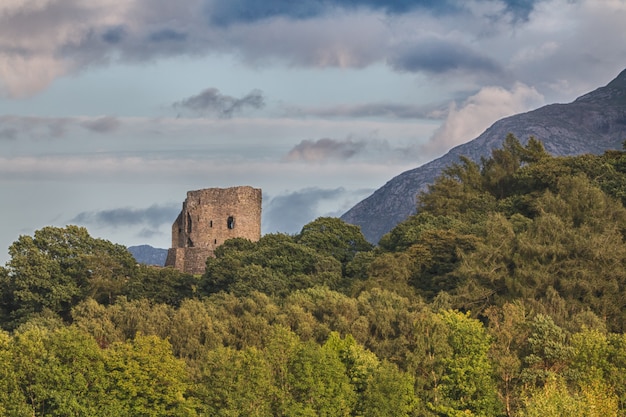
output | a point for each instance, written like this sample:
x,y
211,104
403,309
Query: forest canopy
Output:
x,y
503,296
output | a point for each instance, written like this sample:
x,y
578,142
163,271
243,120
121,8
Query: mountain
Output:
x,y
593,123
146,254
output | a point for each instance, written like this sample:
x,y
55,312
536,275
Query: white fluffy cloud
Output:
x,y
478,112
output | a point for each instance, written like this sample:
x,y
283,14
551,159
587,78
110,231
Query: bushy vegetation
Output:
x,y
504,296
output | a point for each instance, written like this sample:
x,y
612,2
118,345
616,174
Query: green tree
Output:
x,y
146,379
97,320
332,236
318,383
575,247
275,265
481,277
599,359
498,171
241,322
458,191
61,372
389,393
555,399
467,382
234,383
194,330
317,311
59,267
381,388
549,351
160,285
390,320
12,399
509,330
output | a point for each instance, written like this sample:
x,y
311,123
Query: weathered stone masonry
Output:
x,y
208,218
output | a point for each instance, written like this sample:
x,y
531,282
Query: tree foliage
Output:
x,y
503,296
57,268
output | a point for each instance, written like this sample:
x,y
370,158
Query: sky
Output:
x,y
111,110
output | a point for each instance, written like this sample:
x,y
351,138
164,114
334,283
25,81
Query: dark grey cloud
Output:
x,y
438,56
154,216
366,148
287,213
234,11
211,101
15,127
114,35
521,9
167,35
9,133
103,124
246,11
325,149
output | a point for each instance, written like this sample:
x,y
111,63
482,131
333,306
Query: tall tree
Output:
x,y
58,267
332,236
146,379
467,382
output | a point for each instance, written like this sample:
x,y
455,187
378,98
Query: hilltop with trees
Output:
x,y
503,296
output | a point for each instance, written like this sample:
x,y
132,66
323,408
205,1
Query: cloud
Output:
x,y
325,149
114,35
233,11
25,75
368,149
145,143
367,110
167,35
478,112
34,127
147,233
155,216
566,47
105,124
247,11
38,38
438,56
48,39
290,211
8,133
211,101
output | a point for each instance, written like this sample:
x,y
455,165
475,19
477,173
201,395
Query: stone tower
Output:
x,y
208,218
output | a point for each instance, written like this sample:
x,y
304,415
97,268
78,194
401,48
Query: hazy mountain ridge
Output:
x,y
146,254
593,123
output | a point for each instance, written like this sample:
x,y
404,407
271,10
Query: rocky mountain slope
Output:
x,y
593,123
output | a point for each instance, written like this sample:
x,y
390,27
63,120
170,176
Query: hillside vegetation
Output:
x,y
504,296
591,124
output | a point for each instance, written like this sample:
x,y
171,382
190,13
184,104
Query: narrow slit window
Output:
x,y
210,223
231,222
188,223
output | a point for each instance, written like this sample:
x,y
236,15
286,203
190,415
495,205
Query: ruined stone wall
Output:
x,y
189,260
208,218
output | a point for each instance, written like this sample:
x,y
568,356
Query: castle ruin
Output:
x,y
208,218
